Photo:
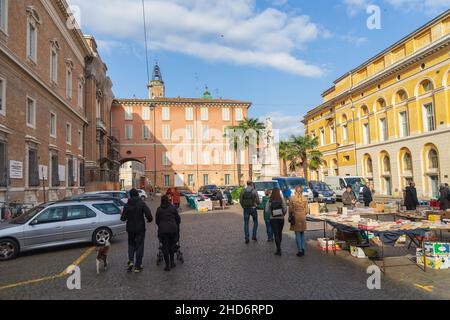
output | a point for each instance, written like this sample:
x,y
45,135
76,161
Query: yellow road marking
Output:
x,y
57,276
426,288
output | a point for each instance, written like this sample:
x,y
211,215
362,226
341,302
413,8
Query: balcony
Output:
x,y
101,125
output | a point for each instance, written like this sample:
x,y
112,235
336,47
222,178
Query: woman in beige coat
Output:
x,y
298,210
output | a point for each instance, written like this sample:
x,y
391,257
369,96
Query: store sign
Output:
x,y
15,169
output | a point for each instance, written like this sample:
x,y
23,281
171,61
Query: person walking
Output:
x,y
135,213
266,214
249,200
298,210
411,201
176,198
444,194
356,190
349,198
168,221
278,208
367,195
228,196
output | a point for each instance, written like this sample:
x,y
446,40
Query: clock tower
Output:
x,y
156,88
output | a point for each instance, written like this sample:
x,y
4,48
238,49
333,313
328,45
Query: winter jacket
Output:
x,y
411,200
284,208
176,197
167,220
298,208
262,206
347,198
135,213
367,195
443,198
255,197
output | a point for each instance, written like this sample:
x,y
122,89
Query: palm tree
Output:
x,y
245,126
304,153
284,154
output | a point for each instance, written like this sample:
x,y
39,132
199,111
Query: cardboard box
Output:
x,y
314,209
435,263
436,249
357,252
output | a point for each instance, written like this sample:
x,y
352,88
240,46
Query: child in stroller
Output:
x,y
177,250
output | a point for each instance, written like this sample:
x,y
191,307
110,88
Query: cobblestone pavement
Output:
x,y
218,266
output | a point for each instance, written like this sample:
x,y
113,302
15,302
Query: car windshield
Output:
x,y
323,187
262,186
27,216
293,183
353,181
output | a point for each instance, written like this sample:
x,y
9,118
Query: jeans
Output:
x,y
300,238
136,247
277,227
269,230
168,242
254,214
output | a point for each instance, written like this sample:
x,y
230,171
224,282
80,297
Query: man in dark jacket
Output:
x,y
444,193
249,201
168,221
135,213
367,195
411,200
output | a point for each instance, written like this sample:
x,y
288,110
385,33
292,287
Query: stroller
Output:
x,y
178,253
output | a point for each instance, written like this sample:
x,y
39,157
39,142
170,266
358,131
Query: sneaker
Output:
x,y
130,266
167,268
247,241
270,240
138,269
278,253
173,265
254,239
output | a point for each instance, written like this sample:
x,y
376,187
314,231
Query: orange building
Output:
x,y
181,141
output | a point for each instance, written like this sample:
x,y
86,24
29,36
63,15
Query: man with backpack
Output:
x,y
249,200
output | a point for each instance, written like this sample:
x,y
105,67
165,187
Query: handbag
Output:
x,y
292,220
276,209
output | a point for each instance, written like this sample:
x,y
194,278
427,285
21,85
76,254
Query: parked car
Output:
x,y
208,190
288,185
339,183
322,192
85,196
61,223
121,195
262,186
142,194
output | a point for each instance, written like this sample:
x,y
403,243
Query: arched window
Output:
x,y
426,86
433,159
369,165
402,96
381,104
364,111
407,162
386,164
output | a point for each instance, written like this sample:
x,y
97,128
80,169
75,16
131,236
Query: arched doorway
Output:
x,y
386,175
431,165
406,167
132,174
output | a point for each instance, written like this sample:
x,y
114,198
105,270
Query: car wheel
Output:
x,y
101,236
8,249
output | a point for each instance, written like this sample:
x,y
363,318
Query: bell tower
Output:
x,y
156,88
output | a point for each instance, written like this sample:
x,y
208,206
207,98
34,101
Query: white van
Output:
x,y
339,184
262,186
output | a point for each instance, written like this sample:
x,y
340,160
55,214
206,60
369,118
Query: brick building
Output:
x,y
51,78
180,141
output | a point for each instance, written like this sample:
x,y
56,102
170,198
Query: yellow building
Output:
x,y
389,119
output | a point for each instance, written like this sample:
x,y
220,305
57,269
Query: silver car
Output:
x,y
61,223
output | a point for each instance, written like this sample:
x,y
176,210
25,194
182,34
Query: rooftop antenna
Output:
x,y
146,42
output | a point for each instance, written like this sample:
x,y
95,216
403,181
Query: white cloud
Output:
x,y
216,30
286,125
355,7
354,40
430,7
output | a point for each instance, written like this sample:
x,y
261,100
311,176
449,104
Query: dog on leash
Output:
x,y
102,256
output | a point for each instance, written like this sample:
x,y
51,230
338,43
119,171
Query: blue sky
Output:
x,y
279,54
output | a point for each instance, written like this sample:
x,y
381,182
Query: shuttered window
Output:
x,y
55,172
3,169
70,172
33,168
